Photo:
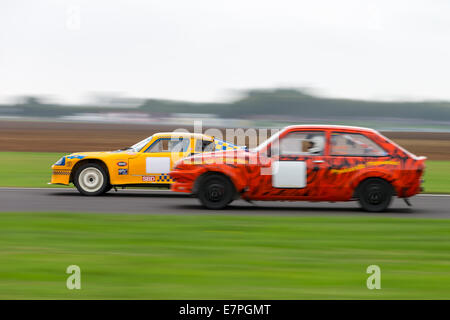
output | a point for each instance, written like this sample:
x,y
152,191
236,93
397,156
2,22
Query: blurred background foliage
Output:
x,y
280,103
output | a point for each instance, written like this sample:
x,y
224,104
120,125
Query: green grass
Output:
x,y
26,169
222,257
437,177
31,169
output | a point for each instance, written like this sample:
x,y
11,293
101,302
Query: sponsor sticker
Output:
x,y
76,157
123,172
365,165
148,178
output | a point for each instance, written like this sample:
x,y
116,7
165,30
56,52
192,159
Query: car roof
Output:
x,y
329,127
185,134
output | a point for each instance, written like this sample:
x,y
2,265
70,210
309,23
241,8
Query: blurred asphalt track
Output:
x,y
165,202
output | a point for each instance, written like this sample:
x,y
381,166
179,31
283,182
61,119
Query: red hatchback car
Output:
x,y
305,163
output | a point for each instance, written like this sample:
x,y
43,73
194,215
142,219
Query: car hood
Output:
x,y
100,154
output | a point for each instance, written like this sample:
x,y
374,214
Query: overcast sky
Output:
x,y
202,50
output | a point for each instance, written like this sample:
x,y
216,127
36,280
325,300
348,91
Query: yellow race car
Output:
x,y
147,163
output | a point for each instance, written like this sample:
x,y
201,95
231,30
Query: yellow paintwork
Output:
x,y
134,162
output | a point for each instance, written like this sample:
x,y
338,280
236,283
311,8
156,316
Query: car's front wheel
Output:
x,y
215,191
91,179
375,195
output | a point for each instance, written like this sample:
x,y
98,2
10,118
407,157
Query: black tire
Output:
x,y
215,191
91,179
375,195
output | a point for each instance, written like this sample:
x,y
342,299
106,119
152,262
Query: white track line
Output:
x,y
72,189
166,190
433,195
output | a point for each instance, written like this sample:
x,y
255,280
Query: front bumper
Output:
x,y
181,187
60,176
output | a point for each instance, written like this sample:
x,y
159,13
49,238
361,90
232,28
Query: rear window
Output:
x,y
354,144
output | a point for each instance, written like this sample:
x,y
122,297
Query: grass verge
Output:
x,y
26,169
221,257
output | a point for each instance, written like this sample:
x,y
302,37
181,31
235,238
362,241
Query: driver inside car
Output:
x,y
316,145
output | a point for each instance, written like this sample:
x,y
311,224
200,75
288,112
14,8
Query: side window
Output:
x,y
354,144
303,143
204,145
169,145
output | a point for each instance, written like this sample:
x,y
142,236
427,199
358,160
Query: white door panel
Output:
x,y
289,174
157,165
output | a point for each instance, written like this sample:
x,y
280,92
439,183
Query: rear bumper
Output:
x,y
421,188
409,190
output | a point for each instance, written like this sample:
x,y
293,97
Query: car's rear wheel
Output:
x,y
91,180
375,195
215,191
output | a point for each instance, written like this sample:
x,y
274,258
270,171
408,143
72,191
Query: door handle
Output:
x,y
318,161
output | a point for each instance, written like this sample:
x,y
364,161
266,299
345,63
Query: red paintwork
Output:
x,y
327,181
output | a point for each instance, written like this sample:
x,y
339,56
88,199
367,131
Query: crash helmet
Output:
x,y
318,143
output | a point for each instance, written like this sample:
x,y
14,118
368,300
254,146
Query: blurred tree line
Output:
x,y
294,102
280,103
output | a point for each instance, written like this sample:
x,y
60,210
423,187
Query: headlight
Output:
x,y
61,162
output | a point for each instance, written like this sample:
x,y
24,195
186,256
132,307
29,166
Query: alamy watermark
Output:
x,y
374,280
73,18
249,138
74,280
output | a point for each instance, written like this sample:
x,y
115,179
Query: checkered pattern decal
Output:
x,y
61,172
164,178
223,145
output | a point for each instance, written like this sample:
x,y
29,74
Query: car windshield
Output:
x,y
138,146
